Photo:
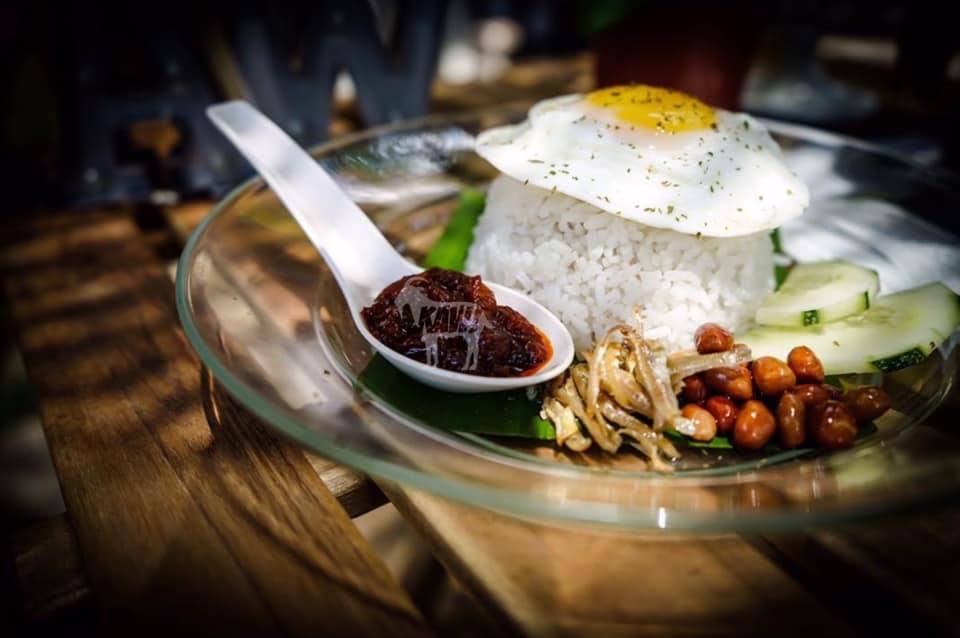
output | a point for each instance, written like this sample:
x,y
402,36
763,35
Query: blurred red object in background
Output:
x,y
702,49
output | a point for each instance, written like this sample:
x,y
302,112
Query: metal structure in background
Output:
x,y
392,68
127,139
112,85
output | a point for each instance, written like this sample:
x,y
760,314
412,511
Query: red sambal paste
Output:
x,y
450,320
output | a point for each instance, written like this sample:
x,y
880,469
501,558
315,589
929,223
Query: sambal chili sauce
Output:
x,y
450,320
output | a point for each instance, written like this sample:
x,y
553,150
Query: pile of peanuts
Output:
x,y
790,399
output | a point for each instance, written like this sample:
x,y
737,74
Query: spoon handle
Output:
x,y
356,251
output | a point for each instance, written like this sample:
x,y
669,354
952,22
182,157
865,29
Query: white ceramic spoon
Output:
x,y
361,259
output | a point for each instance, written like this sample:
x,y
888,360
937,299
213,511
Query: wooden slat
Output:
x,y
580,582
530,79
880,574
50,576
184,218
857,579
49,572
355,491
180,524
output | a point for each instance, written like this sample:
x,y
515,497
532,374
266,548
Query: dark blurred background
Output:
x,y
103,105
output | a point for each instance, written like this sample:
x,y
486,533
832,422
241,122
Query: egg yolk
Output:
x,y
651,107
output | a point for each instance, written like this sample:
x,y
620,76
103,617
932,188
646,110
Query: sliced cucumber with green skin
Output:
x,y
819,293
897,331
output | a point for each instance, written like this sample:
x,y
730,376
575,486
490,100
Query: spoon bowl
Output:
x,y
361,259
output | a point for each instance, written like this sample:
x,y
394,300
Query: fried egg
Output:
x,y
655,156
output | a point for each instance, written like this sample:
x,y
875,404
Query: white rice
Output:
x,y
591,268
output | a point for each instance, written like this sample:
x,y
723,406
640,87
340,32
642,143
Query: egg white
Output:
x,y
726,180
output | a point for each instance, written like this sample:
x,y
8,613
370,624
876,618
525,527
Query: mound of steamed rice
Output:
x,y
591,268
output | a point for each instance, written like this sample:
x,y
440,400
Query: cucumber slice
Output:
x,y
819,293
897,331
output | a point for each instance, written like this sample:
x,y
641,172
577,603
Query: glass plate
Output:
x,y
264,314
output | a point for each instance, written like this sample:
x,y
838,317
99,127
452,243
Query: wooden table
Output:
x,y
185,513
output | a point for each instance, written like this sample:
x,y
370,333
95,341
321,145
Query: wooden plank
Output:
x,y
181,525
573,581
355,491
858,578
49,571
530,79
50,576
891,571
885,573
186,216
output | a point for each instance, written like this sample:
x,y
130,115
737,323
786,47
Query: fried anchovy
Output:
x,y
687,362
595,371
621,384
643,438
605,436
565,422
626,377
668,448
662,398
656,463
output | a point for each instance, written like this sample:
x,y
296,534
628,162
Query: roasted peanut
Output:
x,y
712,338
755,426
866,403
832,425
724,411
772,376
792,417
811,393
736,383
694,389
705,426
805,365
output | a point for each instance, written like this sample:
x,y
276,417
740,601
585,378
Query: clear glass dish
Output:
x,y
263,312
